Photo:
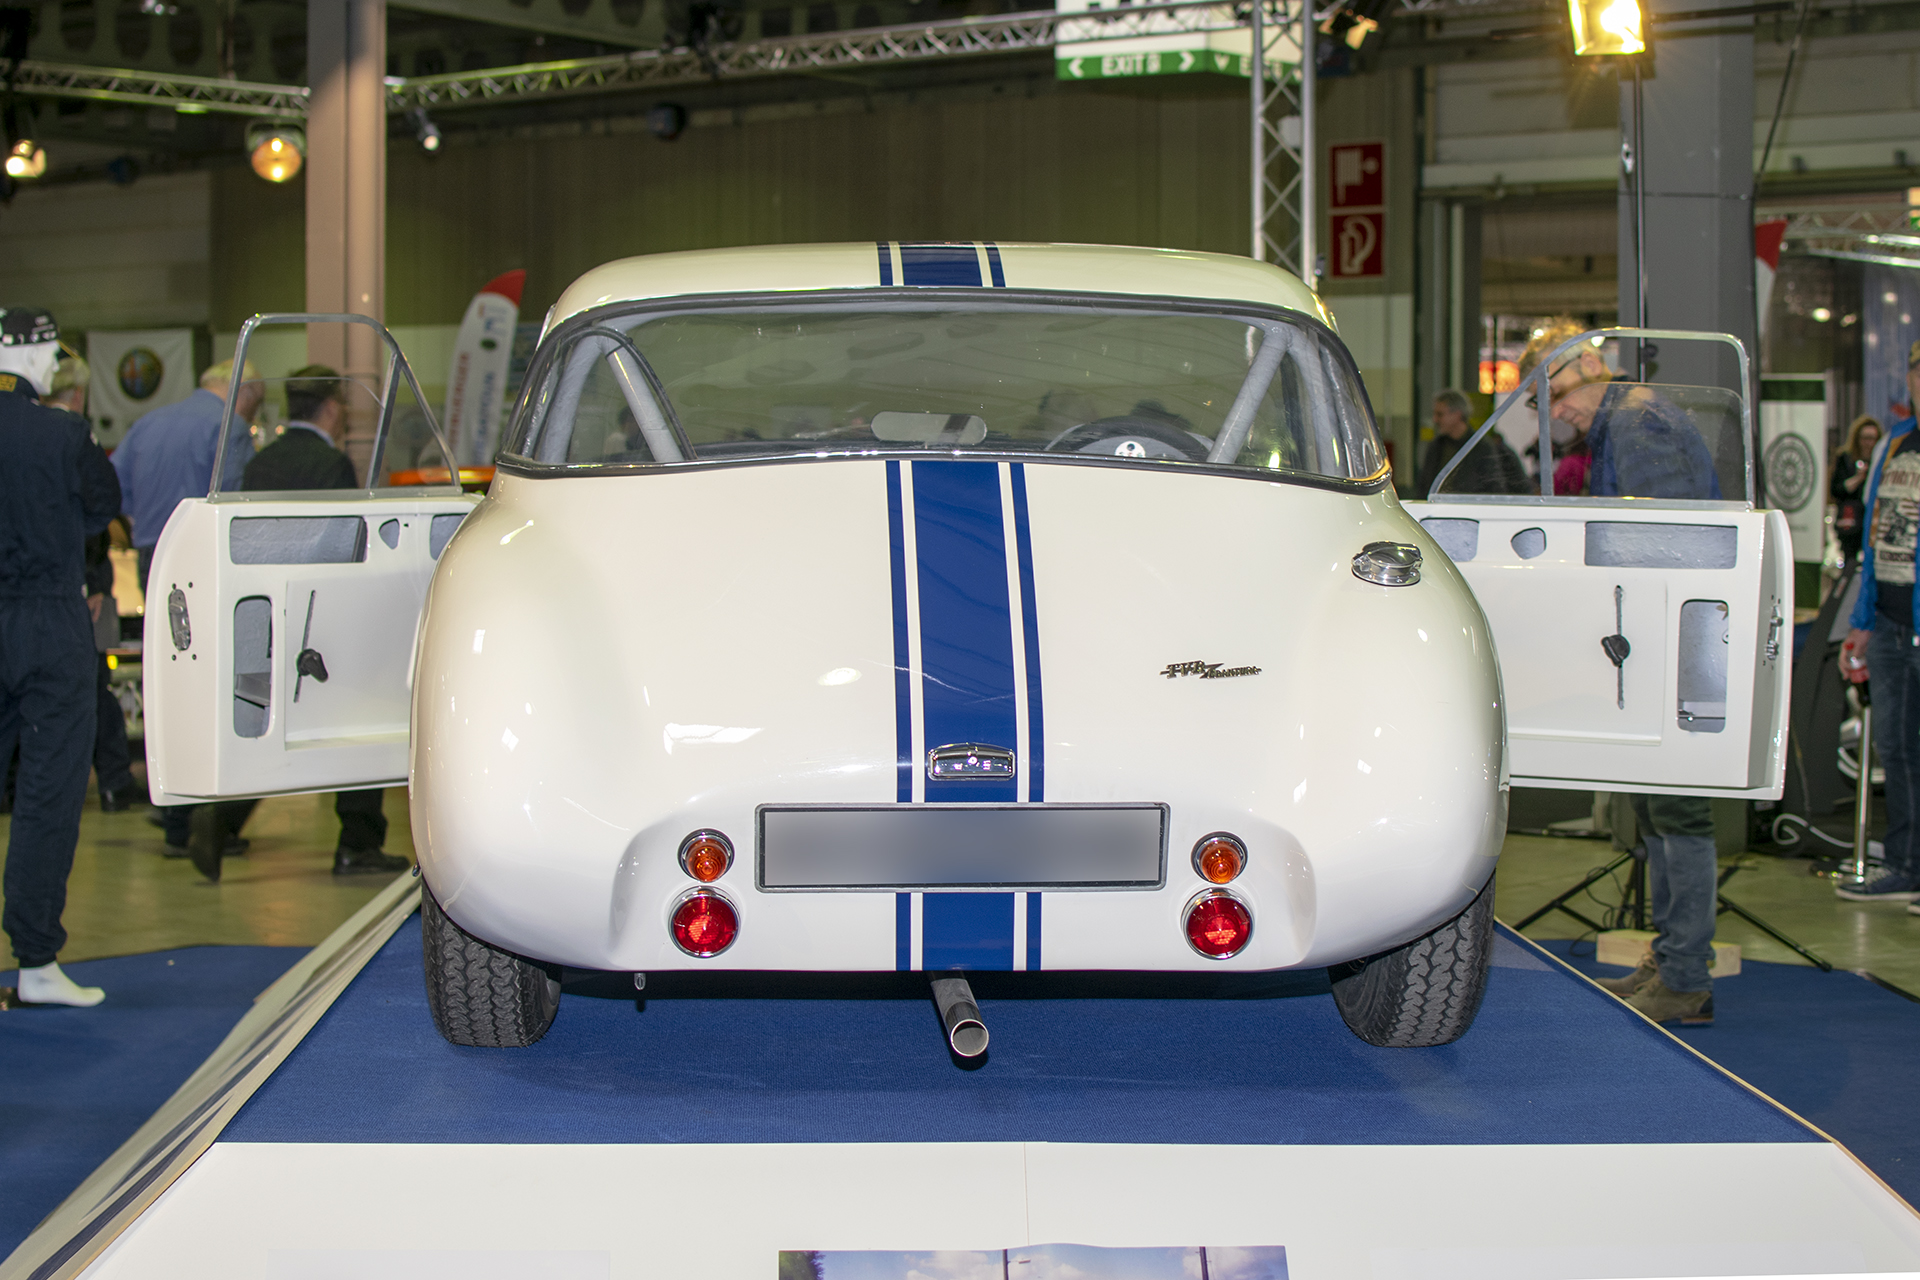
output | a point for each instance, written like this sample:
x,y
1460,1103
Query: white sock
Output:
x,y
47,985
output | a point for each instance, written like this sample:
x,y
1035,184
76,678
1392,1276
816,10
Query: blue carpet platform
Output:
x,y
1835,1047
715,1120
80,1081
1074,1058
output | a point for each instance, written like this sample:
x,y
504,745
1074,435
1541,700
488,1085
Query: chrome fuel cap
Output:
x,y
1390,564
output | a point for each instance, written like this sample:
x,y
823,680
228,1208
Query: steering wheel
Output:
x,y
1128,436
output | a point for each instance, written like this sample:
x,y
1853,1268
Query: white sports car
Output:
x,y
970,607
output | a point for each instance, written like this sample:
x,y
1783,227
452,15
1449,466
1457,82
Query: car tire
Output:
x,y
478,994
1426,992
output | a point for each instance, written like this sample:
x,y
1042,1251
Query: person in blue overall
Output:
x,y
1882,643
1644,446
56,489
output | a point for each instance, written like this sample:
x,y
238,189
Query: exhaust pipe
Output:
x,y
961,1016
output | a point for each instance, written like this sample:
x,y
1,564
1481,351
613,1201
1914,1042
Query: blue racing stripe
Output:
x,y
1036,762
966,931
993,265
886,265
933,265
903,931
966,618
902,666
1033,932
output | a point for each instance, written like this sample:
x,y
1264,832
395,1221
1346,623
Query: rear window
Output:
x,y
1145,383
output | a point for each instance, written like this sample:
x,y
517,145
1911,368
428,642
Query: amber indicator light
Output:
x,y
706,855
1219,858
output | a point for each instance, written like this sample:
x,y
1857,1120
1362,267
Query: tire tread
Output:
x,y
479,995
1425,992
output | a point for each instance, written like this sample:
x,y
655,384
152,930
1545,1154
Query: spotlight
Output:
x,y
666,120
26,160
1606,27
277,151
425,131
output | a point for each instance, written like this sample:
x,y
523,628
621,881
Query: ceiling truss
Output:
x,y
648,69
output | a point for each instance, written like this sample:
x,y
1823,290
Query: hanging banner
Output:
x,y
477,376
1113,41
1793,452
135,371
1767,237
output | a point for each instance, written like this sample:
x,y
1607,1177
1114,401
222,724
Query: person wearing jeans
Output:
x,y
1882,645
1683,872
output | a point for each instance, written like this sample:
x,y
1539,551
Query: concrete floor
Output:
x,y
125,898
1879,937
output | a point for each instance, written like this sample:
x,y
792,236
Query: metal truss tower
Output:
x,y
1283,133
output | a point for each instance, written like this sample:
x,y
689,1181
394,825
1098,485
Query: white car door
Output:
x,y
1644,643
280,627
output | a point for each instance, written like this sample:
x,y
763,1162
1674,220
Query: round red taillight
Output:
x,y
1219,857
706,855
704,924
1218,925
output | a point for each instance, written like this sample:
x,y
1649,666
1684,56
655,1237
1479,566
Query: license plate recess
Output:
x,y
823,848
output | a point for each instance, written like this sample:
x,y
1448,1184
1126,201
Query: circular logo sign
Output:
x,y
140,372
1791,468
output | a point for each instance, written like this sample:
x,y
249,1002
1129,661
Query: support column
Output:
x,y
346,175
1696,162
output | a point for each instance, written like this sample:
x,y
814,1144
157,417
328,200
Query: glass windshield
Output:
x,y
1611,438
319,433
1146,383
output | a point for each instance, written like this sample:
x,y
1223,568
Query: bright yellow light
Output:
x,y
26,160
277,156
1606,27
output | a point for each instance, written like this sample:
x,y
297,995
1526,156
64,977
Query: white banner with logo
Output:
x,y
1793,456
135,371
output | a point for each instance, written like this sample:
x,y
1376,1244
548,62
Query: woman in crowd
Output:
x,y
1848,487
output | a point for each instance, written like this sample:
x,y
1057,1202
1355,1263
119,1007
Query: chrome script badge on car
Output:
x,y
1207,670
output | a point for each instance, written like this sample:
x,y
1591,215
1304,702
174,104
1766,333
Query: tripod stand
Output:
x,y
1634,903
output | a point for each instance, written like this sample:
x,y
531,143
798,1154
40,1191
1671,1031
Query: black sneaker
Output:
x,y
367,862
115,799
1888,886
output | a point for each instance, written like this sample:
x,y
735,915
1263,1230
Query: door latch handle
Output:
x,y
1617,650
1773,633
308,662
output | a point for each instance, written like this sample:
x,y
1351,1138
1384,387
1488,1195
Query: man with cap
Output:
x,y
56,489
1884,642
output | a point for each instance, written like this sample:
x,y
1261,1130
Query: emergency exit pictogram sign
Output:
x,y
1356,202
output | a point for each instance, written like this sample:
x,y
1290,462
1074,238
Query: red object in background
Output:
x,y
508,284
1357,175
1356,249
1218,926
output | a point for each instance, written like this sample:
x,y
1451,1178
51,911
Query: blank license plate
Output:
x,y
915,846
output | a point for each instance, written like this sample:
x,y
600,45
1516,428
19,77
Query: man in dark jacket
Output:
x,y
1492,467
56,488
307,456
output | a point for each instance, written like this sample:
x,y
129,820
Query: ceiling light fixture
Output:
x,y
276,151
26,160
425,131
1606,27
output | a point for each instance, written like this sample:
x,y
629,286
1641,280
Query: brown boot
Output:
x,y
1663,1004
1627,984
